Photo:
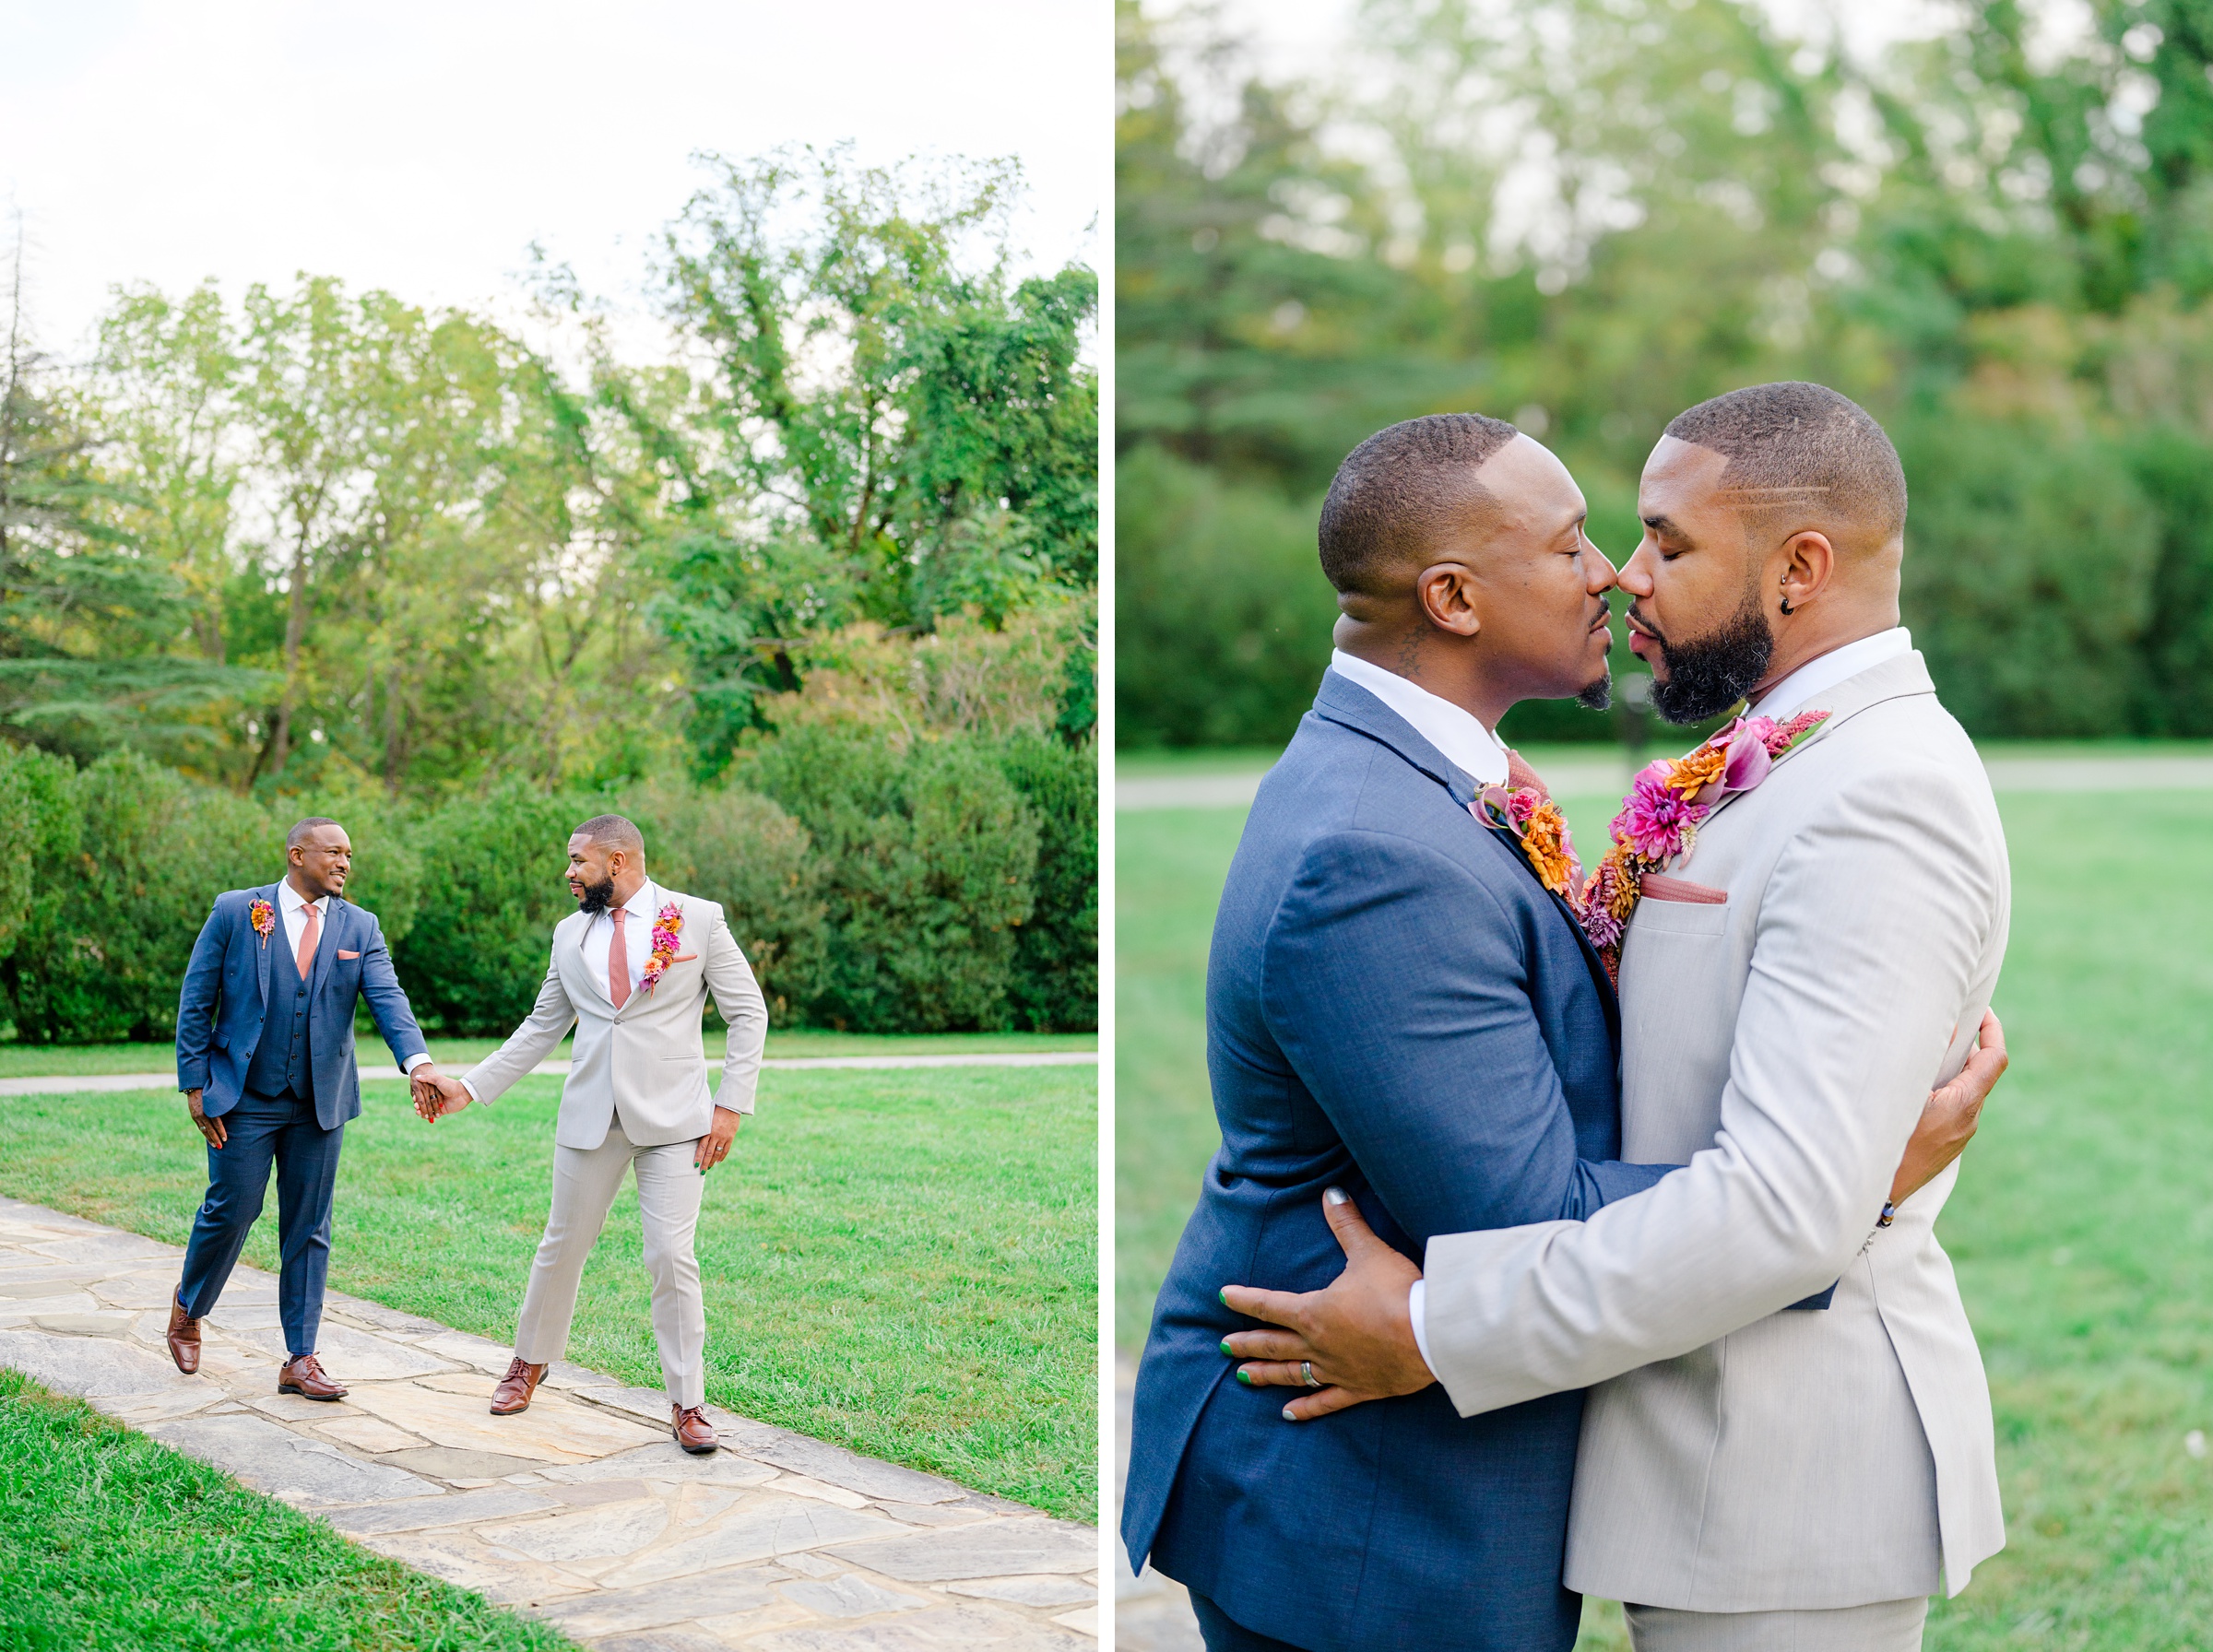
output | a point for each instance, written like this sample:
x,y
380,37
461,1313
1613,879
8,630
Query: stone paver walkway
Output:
x,y
581,1511
75,1084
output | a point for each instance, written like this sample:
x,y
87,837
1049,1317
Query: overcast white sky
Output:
x,y
423,145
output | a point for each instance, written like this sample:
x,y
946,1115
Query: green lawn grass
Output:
x,y
110,1543
36,1060
2082,1225
905,1263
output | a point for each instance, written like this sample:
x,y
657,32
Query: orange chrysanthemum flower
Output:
x,y
1703,767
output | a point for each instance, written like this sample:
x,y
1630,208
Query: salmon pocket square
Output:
x,y
344,953
684,958
1659,886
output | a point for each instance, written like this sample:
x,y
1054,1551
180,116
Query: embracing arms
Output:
x,y
1873,930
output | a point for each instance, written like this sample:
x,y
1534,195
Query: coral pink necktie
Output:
x,y
618,964
310,933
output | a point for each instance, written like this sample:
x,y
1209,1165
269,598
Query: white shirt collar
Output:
x,y
640,904
1825,671
1457,734
296,902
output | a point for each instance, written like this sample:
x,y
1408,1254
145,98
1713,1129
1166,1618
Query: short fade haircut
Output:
x,y
614,832
299,834
1401,490
1794,445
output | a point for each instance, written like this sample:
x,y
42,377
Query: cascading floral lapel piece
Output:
x,y
667,926
263,917
1659,820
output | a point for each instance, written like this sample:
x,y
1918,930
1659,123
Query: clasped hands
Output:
x,y
435,1094
1354,1342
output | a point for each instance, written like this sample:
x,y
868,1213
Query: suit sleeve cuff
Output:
x,y
1416,1303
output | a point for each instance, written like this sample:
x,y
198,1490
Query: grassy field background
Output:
x,y
902,1262
110,1543
2082,1225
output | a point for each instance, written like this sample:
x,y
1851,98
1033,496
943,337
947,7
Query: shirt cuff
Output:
x,y
412,1062
472,1090
1415,1303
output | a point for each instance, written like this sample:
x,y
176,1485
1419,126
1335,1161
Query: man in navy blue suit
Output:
x,y
265,1058
1399,1009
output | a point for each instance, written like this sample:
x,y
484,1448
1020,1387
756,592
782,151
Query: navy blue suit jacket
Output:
x,y
227,988
1396,1006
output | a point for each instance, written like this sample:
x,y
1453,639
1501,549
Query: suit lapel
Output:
x,y
1895,679
594,979
272,942
1592,961
1352,706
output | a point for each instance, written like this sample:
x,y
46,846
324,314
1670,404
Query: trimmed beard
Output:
x,y
1599,695
596,898
1708,675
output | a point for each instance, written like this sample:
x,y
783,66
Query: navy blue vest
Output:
x,y
281,1064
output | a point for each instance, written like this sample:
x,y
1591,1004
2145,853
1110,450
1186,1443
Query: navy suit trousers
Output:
x,y
265,1129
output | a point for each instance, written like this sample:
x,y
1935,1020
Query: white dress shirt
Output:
x,y
599,939
637,936
293,906
1819,675
1825,671
1457,732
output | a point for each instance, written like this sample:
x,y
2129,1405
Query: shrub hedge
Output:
x,y
934,885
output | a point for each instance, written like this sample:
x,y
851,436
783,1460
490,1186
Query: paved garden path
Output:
x,y
581,1511
65,1084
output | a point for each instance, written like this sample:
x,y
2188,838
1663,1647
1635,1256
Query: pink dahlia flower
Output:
x,y
1653,816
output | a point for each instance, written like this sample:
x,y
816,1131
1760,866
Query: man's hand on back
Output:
x,y
210,1128
1355,1336
1951,1113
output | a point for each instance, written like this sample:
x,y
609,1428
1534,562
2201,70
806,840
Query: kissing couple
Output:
x,y
266,1059
1629,1290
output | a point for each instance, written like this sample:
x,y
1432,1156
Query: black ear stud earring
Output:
x,y
1786,606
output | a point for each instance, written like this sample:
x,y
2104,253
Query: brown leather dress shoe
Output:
x,y
184,1339
693,1431
513,1393
304,1378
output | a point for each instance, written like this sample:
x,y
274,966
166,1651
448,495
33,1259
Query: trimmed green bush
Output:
x,y
142,854
1055,987
494,883
928,857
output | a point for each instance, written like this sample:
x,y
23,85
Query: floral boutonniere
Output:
x,y
263,917
1659,820
667,926
1535,821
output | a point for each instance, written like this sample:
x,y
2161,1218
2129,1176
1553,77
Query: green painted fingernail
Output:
x,y
1225,1345
1289,1416
1245,1377
1224,1295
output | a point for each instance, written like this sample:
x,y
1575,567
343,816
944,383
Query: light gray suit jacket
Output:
x,y
1782,1042
648,1058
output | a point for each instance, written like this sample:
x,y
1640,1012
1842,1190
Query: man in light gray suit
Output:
x,y
1824,950
632,970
